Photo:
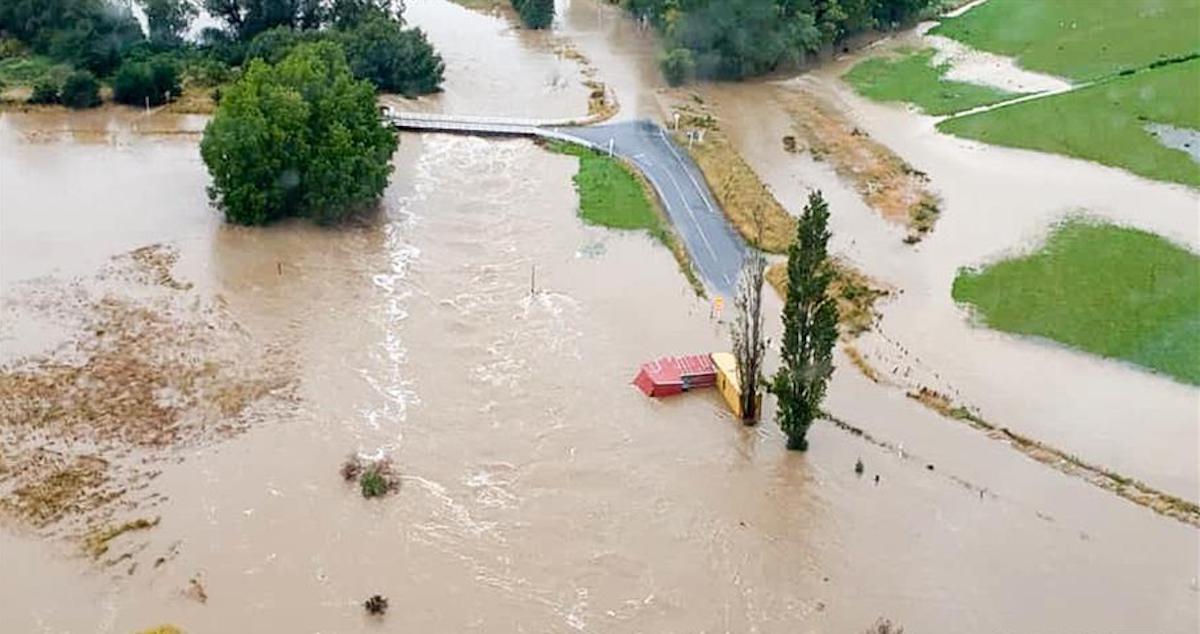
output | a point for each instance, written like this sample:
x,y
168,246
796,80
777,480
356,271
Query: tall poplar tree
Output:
x,y
809,326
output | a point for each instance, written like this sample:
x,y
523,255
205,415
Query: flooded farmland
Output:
x,y
539,491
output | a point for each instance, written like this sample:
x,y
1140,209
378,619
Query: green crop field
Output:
x,y
913,78
1103,123
1108,290
1080,39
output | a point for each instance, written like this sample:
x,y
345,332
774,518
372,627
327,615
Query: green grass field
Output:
x,y
1103,123
1080,39
1108,290
913,78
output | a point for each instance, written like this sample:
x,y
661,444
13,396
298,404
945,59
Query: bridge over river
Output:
x,y
715,248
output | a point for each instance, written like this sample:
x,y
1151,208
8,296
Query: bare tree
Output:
x,y
747,331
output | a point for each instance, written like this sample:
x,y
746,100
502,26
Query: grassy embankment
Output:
x,y
911,77
613,195
1104,122
1111,291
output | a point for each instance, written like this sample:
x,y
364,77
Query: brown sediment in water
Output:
x,y
854,293
150,366
746,201
1133,490
888,184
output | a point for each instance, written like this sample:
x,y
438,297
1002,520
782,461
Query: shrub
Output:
x,y
375,477
207,72
10,47
376,605
302,138
678,66
373,484
81,90
155,81
535,14
45,91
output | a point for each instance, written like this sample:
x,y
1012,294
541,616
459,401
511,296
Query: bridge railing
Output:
x,y
409,116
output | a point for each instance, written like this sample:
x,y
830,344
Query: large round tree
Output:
x,y
300,138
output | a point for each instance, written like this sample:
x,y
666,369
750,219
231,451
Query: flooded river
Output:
x,y
540,492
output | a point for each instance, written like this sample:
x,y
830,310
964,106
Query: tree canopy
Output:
x,y
90,34
300,138
730,39
535,14
809,326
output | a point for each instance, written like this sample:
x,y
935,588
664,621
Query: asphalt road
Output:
x,y
716,249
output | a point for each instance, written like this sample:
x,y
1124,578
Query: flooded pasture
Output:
x,y
540,492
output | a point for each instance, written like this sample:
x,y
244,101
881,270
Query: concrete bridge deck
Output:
x,y
715,248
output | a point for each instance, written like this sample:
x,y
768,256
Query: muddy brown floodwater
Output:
x,y
539,491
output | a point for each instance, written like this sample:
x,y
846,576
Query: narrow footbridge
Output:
x,y
715,248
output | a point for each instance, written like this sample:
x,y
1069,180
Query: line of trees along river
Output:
x,y
731,39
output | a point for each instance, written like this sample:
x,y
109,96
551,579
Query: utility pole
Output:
x,y
532,279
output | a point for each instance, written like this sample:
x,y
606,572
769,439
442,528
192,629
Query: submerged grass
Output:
x,y
913,78
96,544
854,293
1112,291
1078,39
612,195
889,185
1105,122
1133,490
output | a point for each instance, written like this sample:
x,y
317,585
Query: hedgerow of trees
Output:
x,y
731,39
300,138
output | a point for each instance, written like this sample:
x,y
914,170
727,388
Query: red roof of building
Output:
x,y
672,375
